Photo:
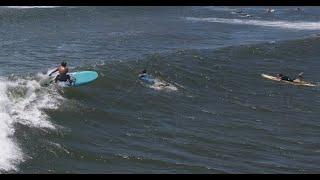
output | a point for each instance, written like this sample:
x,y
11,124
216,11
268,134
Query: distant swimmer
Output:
x,y
270,10
246,15
62,76
299,9
286,78
243,14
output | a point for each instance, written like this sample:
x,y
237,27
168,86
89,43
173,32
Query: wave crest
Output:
x,y
297,25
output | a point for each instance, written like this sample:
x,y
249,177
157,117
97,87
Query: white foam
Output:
x,y
162,85
22,101
27,110
297,25
10,153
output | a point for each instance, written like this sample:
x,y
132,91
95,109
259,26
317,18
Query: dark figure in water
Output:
x,y
146,77
286,78
243,14
62,76
150,79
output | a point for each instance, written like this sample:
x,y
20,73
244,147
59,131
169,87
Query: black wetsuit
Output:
x,y
63,77
286,78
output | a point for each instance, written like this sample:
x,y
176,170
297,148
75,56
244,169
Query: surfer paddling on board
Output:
x,y
286,78
62,76
146,77
150,79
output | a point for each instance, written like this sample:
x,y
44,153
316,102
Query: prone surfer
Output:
x,y
143,73
146,77
286,78
150,79
243,14
62,76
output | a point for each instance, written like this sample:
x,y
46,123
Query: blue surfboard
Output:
x,y
80,78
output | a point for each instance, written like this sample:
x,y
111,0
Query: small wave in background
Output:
x,y
30,7
277,24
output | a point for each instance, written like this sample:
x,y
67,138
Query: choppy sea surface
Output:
x,y
219,116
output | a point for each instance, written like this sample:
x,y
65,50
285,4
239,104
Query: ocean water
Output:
x,y
218,115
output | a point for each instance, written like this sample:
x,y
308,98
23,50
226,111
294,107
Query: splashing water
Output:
x,y
22,101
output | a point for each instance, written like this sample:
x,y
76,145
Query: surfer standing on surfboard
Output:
x,y
62,76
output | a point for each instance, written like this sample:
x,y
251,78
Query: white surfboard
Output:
x,y
302,83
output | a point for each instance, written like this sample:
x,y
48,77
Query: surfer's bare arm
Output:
x,y
299,76
54,71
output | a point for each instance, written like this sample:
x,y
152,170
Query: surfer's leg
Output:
x,y
69,79
56,79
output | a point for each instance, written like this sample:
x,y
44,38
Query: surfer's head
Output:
x,y
144,71
63,63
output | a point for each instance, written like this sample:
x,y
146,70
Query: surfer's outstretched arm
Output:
x,y
54,71
299,76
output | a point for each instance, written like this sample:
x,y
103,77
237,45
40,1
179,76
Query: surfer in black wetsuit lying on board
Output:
x,y
146,77
286,78
150,79
62,76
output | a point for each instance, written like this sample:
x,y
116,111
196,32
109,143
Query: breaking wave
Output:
x,y
22,101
